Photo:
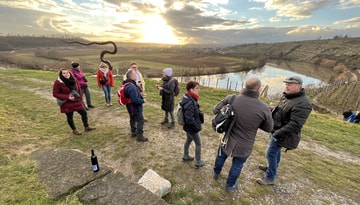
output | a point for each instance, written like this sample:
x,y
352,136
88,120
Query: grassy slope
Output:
x,y
30,122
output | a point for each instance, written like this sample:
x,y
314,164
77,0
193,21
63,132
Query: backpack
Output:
x,y
224,120
177,88
122,99
180,114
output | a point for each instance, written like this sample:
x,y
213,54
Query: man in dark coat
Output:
x,y
135,107
289,117
251,114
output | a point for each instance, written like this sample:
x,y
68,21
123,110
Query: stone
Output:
x,y
116,189
63,170
155,183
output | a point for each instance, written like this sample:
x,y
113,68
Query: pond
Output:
x,y
270,74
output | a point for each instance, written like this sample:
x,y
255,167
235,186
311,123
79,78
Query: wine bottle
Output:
x,y
94,161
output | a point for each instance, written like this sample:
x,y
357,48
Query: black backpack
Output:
x,y
225,119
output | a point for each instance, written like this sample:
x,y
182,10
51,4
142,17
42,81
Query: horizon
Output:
x,y
184,22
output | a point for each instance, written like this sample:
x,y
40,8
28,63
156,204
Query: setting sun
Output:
x,y
155,30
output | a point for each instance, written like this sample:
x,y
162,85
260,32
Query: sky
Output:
x,y
183,21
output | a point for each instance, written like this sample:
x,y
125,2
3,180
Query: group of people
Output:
x,y
283,122
350,116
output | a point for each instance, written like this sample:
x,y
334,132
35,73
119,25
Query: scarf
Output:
x,y
70,83
105,71
193,95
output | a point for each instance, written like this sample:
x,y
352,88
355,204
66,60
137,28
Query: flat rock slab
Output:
x,y
63,171
114,188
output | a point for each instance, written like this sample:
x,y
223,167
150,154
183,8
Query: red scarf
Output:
x,y
193,95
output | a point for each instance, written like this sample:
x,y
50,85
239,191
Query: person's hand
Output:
x,y
72,98
160,88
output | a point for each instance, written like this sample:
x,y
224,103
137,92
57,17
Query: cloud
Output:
x,y
346,21
274,19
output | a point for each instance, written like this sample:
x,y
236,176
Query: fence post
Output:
x,y
217,81
227,84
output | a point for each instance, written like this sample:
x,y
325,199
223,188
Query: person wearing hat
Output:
x,y
289,116
167,94
80,77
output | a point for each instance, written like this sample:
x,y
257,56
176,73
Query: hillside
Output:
x,y
323,170
329,53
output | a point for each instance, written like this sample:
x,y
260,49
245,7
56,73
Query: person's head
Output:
x,y
253,84
134,66
130,74
293,84
167,72
103,65
75,64
64,73
193,87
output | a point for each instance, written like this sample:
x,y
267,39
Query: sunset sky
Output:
x,y
184,21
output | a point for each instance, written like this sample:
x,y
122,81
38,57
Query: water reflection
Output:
x,y
270,75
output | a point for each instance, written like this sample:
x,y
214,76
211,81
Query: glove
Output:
x,y
278,137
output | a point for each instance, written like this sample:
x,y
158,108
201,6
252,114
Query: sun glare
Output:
x,y
155,30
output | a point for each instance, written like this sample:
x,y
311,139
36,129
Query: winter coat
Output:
x,y
167,94
100,75
191,110
289,117
80,77
62,92
251,114
133,93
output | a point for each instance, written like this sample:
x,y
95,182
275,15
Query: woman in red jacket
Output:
x,y
67,89
105,81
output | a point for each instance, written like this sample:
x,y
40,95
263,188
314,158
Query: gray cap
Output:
x,y
293,79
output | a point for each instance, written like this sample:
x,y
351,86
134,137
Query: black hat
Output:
x,y
74,64
294,80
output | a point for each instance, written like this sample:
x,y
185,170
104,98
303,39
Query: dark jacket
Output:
x,y
251,114
191,112
289,117
132,92
62,92
167,93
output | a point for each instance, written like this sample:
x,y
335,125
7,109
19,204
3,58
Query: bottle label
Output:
x,y
95,167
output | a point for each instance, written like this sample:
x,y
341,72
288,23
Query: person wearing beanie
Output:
x,y
168,98
80,77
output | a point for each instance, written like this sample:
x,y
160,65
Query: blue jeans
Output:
x,y
107,92
235,170
273,156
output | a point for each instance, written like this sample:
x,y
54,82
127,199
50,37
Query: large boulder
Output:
x,y
63,170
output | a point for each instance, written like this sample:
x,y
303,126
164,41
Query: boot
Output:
x,y
172,125
142,139
164,122
76,132
88,129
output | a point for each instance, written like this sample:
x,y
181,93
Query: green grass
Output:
x,y
30,121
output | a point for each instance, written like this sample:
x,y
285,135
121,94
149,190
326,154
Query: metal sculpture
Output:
x,y
102,52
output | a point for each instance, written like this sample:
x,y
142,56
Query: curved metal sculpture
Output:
x,y
102,52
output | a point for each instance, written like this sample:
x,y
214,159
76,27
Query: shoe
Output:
x,y
91,106
187,159
199,164
146,120
88,129
216,176
172,125
142,139
232,188
107,104
86,108
265,181
133,135
76,132
111,104
263,168
164,122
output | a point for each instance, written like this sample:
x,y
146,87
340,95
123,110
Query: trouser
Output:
x,y
235,170
196,138
273,156
171,115
137,124
107,92
86,92
70,118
